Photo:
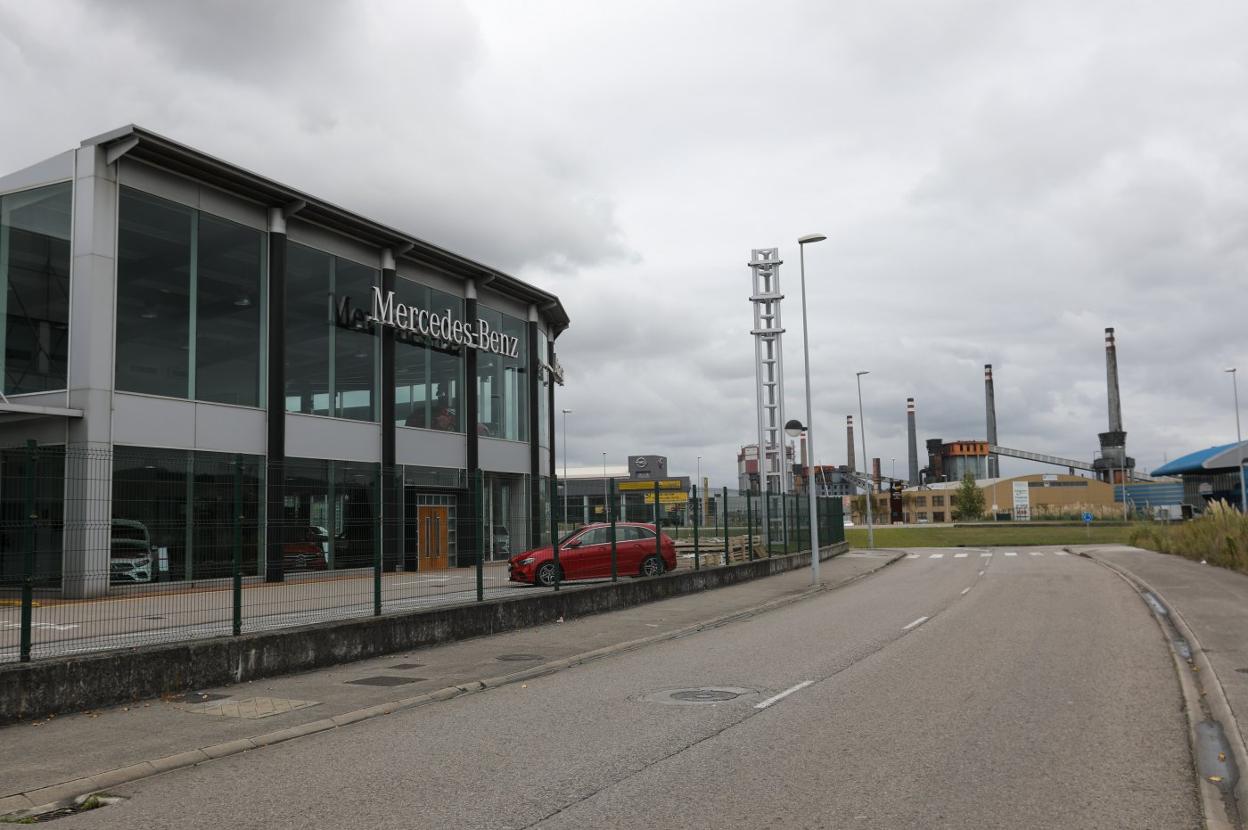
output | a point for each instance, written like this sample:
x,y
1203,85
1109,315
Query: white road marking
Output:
x,y
1035,553
937,556
959,556
981,573
1061,553
424,581
964,591
912,556
1011,553
43,625
982,555
919,621
783,695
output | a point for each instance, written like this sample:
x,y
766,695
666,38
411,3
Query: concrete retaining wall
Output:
x,y
68,684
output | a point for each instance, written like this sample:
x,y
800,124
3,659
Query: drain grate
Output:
x,y
383,680
699,695
518,658
405,666
704,695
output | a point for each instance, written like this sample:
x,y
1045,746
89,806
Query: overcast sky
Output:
x,y
998,182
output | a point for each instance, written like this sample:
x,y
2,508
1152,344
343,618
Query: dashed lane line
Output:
x,y
777,698
919,621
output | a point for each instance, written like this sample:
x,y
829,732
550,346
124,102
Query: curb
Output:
x,y
1197,680
41,800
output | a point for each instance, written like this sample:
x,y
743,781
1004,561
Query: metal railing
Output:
x,y
102,550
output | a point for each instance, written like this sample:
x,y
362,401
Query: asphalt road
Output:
x,y
958,691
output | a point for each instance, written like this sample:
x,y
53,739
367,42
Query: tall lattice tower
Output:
x,y
773,473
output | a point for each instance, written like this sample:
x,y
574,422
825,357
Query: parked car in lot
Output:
x,y
305,549
131,552
586,554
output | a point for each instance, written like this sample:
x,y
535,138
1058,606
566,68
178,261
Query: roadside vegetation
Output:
x,y
1219,537
991,535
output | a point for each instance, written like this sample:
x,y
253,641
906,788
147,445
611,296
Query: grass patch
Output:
x,y
1219,537
1016,534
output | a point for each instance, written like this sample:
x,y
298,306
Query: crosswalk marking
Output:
x,y
937,556
1061,553
959,556
986,553
1036,553
912,556
1011,553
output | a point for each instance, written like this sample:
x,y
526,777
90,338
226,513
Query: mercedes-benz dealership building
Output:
x,y
182,337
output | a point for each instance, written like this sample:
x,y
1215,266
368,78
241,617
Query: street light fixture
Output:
x,y
1239,441
862,429
698,484
566,412
802,242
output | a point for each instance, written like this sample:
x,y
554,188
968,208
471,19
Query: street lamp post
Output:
x,y
701,495
606,500
862,429
565,463
893,475
813,510
1239,441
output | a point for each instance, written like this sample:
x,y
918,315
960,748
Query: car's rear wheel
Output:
x,y
652,566
547,574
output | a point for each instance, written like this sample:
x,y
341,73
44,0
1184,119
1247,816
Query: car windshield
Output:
x,y
128,533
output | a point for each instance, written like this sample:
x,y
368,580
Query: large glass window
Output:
x,y
543,389
228,327
331,348
505,502
189,298
331,515
181,504
502,382
16,472
428,374
34,275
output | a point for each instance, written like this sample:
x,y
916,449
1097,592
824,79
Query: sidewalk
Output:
x,y
69,755
1213,603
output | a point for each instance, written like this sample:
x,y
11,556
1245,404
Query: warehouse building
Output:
x,y
175,324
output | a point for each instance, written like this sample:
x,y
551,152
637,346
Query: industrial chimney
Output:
x,y
875,473
914,443
849,442
990,407
1114,465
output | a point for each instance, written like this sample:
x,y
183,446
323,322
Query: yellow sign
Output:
x,y
664,484
667,498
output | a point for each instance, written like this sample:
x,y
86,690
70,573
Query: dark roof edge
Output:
x,y
157,149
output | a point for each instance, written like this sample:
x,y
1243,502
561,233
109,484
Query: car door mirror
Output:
x,y
575,543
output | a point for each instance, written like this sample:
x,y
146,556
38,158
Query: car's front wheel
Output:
x,y
653,566
547,574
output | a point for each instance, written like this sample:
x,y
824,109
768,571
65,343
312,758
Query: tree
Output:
x,y
968,501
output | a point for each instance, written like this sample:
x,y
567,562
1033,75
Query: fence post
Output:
x,y
486,534
658,528
554,526
28,552
749,525
236,567
611,511
725,524
784,521
379,529
697,508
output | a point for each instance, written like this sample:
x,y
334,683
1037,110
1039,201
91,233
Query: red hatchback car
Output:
x,y
586,554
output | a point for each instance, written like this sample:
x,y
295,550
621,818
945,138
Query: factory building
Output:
x,y
1209,475
1029,497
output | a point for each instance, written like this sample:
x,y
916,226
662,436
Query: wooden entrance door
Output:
x,y
433,549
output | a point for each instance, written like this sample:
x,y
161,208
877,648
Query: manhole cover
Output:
x,y
697,695
518,658
384,680
704,695
404,666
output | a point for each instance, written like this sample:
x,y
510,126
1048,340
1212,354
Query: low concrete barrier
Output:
x,y
69,684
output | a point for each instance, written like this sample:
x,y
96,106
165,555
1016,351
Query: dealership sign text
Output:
x,y
441,326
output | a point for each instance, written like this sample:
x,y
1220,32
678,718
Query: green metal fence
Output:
x,y
105,549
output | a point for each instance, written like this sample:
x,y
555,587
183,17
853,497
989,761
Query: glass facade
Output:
x,y
544,380
34,276
181,504
428,375
331,348
48,489
502,382
334,506
190,291
505,505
